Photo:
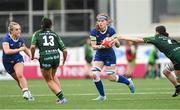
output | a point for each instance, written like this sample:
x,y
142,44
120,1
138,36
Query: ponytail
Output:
x,y
162,30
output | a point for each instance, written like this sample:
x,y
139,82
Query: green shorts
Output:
x,y
175,58
49,61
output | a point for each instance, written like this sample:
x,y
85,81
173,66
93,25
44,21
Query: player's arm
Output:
x,y
94,43
33,46
133,39
117,43
27,51
32,49
64,51
8,50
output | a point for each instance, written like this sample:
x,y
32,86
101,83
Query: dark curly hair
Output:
x,y
46,23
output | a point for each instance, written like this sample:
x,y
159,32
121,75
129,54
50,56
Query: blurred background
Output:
x,y
73,19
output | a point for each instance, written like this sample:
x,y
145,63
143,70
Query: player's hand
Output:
x,y
117,43
108,42
22,48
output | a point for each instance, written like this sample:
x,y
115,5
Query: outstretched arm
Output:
x,y
133,39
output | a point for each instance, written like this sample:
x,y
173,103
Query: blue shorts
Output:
x,y
109,59
9,65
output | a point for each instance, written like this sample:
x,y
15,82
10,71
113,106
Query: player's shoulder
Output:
x,y
93,31
53,32
6,37
37,32
110,28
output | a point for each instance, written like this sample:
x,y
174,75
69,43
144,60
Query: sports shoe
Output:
x,y
101,98
131,85
63,101
177,92
27,95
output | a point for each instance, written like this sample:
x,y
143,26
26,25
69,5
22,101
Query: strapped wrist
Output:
x,y
101,47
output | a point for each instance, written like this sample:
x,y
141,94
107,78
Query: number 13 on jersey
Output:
x,y
48,41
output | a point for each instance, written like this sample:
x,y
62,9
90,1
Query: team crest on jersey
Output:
x,y
20,44
97,36
108,35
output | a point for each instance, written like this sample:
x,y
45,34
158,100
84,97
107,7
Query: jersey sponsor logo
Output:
x,y
46,65
11,44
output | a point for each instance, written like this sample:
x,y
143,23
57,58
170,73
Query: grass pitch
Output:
x,y
150,94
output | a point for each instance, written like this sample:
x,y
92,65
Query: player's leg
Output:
x,y
60,94
157,73
21,80
95,75
177,92
112,76
55,78
48,76
177,72
168,73
16,79
130,69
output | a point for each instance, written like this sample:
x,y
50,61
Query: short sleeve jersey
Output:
x,y
165,44
47,41
106,55
13,44
99,37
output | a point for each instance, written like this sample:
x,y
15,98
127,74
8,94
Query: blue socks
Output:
x,y
122,79
100,88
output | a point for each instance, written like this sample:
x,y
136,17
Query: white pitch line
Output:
x,y
89,94
85,109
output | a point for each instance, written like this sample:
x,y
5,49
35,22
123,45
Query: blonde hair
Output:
x,y
108,19
10,26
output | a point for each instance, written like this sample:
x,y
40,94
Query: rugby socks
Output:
x,y
122,79
60,95
24,90
100,88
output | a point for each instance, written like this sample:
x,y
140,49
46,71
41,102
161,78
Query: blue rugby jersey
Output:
x,y
106,55
13,44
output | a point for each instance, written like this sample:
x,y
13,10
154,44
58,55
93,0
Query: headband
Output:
x,y
101,17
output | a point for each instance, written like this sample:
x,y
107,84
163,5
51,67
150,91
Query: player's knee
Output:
x,y
95,74
112,78
111,75
168,69
166,72
19,76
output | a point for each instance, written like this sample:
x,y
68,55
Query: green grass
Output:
x,y
150,94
